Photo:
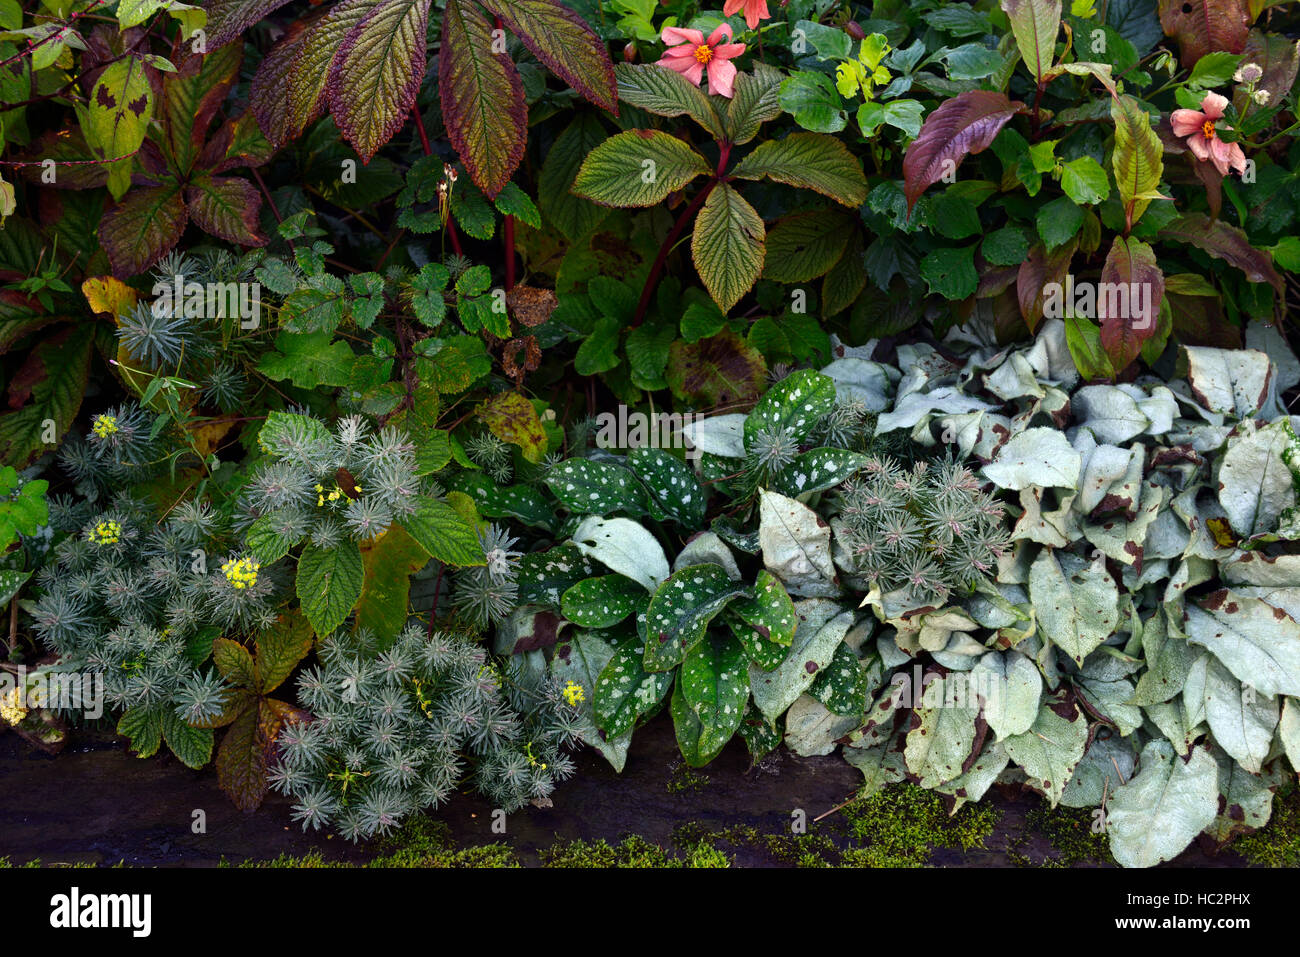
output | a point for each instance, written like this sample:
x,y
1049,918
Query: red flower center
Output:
x,y
703,53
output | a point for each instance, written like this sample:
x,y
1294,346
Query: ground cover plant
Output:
x,y
402,396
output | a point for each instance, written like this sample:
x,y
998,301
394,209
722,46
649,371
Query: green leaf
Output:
x,y
1152,817
1007,246
1085,181
309,360
1076,602
1058,221
810,161
1137,159
681,610
513,201
600,602
328,584
727,245
388,561
144,727
193,746
803,246
638,168
754,102
10,579
599,350
116,118
710,699
950,271
813,101
444,533
544,576
572,215
843,685
59,368
667,93
818,470
587,487
675,492
482,98
234,663
1036,24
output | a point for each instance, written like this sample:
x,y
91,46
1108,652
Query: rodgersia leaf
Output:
x,y
637,168
141,229
193,746
811,161
559,38
226,207
377,73
667,93
482,98
227,19
727,245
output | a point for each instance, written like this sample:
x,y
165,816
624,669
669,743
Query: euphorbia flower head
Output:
x,y
755,10
691,55
1199,128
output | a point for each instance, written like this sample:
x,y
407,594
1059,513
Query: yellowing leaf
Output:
x,y
110,295
513,420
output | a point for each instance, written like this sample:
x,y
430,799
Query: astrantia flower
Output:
x,y
1201,130
755,10
690,54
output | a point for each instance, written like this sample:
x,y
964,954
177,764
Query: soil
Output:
x,y
97,803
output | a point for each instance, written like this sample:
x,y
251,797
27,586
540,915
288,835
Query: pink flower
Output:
x,y
692,55
1198,127
755,10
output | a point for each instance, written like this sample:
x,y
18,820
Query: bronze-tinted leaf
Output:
x,y
1128,301
142,228
720,371
1205,26
1225,242
967,123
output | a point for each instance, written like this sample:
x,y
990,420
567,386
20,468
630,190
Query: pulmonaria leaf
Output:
x,y
143,227
623,546
818,470
1051,749
1035,24
727,245
625,690
545,576
227,208
796,546
1137,158
1036,457
822,627
967,123
1129,312
521,502
1241,719
681,610
377,73
559,38
1255,484
769,615
843,685
1206,26
1076,602
1011,687
600,602
588,487
675,492
810,161
482,98
710,699
637,168
1154,816
793,406
329,582
579,660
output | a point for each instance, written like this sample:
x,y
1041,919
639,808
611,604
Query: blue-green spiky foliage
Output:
x,y
138,598
394,732
926,532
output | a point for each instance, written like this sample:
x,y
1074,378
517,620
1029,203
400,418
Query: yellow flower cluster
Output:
x,y
107,532
11,706
322,496
104,425
574,694
242,572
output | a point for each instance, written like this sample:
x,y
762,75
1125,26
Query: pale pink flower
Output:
x,y
691,55
1198,127
755,10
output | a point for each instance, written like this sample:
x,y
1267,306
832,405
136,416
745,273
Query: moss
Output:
x,y
424,842
1070,832
684,778
901,825
312,860
632,851
1277,843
